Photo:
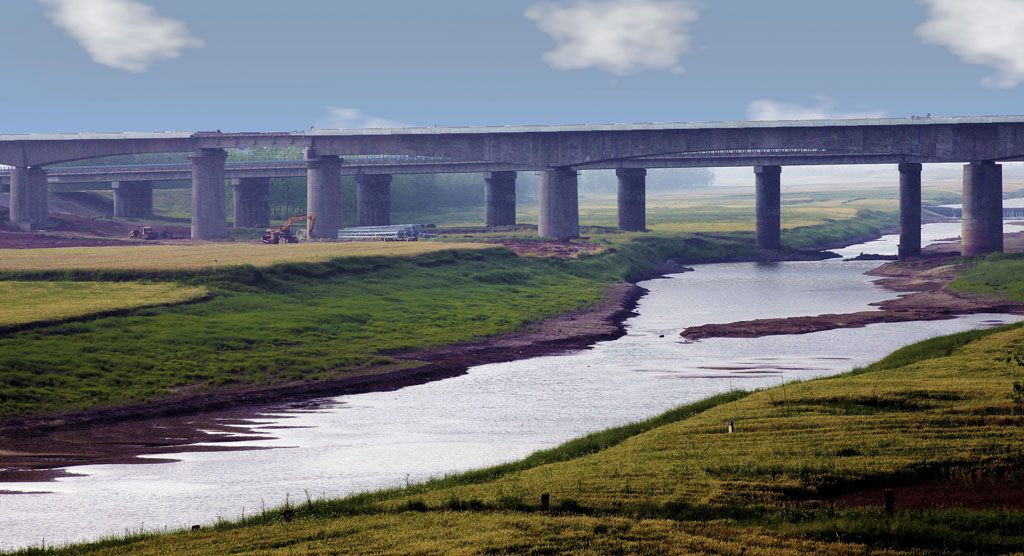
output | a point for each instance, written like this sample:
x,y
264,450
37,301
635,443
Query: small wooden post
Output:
x,y
890,501
545,502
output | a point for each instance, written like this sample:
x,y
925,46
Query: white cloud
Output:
x,y
823,109
353,118
618,36
123,34
985,32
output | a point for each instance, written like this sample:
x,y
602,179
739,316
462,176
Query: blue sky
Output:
x,y
247,65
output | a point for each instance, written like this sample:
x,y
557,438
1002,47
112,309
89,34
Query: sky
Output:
x,y
261,65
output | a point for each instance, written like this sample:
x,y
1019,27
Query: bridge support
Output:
x,y
251,198
632,199
373,198
768,185
29,204
499,199
982,227
559,204
132,199
910,210
323,194
209,211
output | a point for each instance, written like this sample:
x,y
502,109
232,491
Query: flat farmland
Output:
x,y
149,258
29,302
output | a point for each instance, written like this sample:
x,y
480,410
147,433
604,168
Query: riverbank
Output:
x,y
122,432
34,446
805,469
924,283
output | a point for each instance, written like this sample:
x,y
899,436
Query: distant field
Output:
x,y
196,257
28,302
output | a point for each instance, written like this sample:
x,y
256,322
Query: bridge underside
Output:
x,y
557,152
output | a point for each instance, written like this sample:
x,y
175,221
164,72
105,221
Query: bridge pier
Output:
x,y
251,200
499,199
632,199
559,203
373,198
323,194
132,199
910,210
29,204
209,212
982,225
768,187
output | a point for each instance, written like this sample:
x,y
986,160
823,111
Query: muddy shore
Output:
x,y
37,448
923,283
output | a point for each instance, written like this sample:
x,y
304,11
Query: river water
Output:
x,y
496,412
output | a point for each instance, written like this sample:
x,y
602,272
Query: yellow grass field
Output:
x,y
28,302
206,256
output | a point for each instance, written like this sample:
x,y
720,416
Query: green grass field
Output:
x,y
33,302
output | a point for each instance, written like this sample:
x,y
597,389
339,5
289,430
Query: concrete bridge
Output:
x,y
559,153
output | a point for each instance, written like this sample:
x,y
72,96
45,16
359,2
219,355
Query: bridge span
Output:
x,y
558,153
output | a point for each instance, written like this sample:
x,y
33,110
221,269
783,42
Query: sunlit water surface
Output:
x,y
496,412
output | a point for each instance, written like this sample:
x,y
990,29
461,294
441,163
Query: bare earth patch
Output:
x,y
927,299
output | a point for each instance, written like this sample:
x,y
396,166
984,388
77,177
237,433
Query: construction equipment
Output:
x,y
284,234
145,232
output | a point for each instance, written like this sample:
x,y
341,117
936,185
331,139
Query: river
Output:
x,y
496,412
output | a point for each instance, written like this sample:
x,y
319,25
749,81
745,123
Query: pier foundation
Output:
x,y
910,210
768,186
323,194
559,204
499,199
373,198
982,226
251,200
632,193
132,199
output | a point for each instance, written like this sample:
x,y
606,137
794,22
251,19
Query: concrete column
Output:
x,y
209,211
323,194
632,199
559,204
910,210
499,199
132,199
768,185
373,198
29,203
982,227
251,198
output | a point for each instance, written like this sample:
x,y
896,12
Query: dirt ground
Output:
x,y
926,298
70,230
936,495
552,248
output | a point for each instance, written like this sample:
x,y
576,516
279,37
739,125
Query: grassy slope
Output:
x,y
686,486
309,321
29,302
997,274
292,322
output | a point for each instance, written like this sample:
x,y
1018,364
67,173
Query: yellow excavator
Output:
x,y
284,234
